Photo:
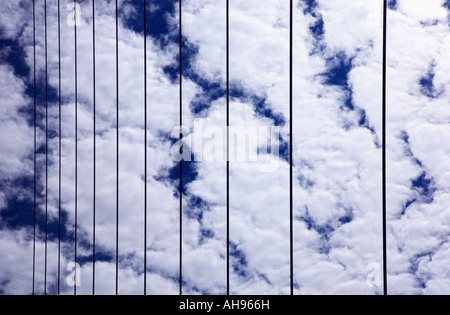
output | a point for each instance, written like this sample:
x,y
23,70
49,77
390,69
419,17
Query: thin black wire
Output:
x,y
145,146
35,148
291,143
46,149
95,152
181,149
385,7
228,148
76,150
60,147
117,152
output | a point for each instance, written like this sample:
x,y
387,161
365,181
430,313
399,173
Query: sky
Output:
x,y
337,147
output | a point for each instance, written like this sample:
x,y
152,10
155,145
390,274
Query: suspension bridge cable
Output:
x,y
384,101
46,149
228,141
60,147
181,145
94,210
291,132
76,148
145,147
35,149
117,147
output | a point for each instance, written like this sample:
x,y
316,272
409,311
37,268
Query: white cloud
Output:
x,y
338,160
349,25
16,138
419,235
12,23
423,11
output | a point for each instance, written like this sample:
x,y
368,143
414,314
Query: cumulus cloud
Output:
x,y
337,147
15,134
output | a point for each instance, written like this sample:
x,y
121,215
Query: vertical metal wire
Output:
x,y
145,147
228,142
76,149
181,147
60,147
46,150
95,151
117,147
385,8
291,133
35,149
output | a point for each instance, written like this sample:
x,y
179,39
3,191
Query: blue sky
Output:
x,y
337,146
